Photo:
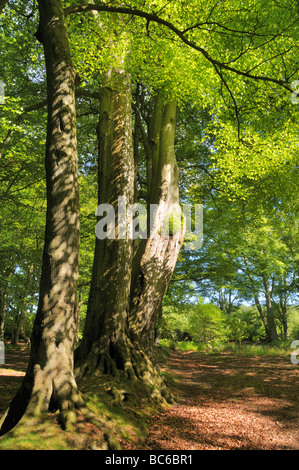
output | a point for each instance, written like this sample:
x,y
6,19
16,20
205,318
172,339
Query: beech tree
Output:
x,y
146,288
50,369
49,377
130,279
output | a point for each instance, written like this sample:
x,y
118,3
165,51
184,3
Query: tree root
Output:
x,y
129,362
62,395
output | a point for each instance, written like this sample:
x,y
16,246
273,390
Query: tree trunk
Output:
x,y
3,298
2,5
286,333
20,326
156,257
260,310
49,379
284,315
104,345
126,294
159,326
271,327
268,321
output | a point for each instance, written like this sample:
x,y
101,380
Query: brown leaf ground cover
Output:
x,y
229,402
11,374
225,402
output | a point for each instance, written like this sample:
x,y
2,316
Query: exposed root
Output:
x,y
131,363
62,394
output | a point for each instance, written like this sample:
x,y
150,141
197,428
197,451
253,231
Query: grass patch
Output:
x,y
181,345
42,434
120,404
274,349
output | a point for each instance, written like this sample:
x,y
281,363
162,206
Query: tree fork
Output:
x,y
108,345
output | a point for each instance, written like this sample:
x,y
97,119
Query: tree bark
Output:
x,y
156,257
126,293
49,380
268,320
50,369
271,327
104,346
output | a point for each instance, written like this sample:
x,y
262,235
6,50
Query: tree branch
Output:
x,y
156,19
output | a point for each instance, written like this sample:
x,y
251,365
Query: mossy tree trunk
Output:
x,y
156,256
127,287
104,345
49,381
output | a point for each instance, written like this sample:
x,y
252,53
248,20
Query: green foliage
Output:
x,y
182,345
174,319
204,323
281,348
207,324
250,216
237,327
203,326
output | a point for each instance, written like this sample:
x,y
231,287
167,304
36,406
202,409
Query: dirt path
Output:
x,y
11,375
229,403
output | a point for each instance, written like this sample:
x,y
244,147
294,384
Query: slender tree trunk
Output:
x,y
283,315
49,380
271,327
20,326
260,310
286,333
3,299
20,329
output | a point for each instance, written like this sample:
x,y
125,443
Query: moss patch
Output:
x,y
121,404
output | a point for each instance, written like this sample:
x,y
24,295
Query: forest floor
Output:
x,y
225,402
228,402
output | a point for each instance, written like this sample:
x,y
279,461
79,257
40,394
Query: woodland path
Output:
x,y
11,374
229,402
225,402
